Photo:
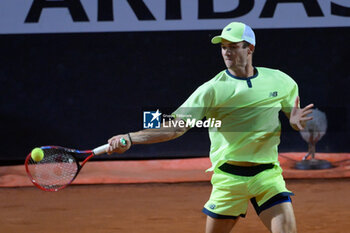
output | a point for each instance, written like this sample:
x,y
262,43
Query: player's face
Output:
x,y
234,54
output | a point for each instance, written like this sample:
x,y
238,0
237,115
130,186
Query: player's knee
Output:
x,y
287,226
290,228
290,225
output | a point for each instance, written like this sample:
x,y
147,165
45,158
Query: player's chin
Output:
x,y
229,64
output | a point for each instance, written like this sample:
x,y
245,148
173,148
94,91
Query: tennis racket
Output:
x,y
59,166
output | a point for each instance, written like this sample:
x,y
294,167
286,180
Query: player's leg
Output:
x,y
272,201
228,201
214,225
279,218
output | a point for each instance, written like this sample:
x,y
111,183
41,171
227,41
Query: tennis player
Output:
x,y
243,150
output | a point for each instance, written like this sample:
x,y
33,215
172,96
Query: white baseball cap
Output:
x,y
236,32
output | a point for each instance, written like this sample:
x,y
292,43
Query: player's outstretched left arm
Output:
x,y
147,136
298,117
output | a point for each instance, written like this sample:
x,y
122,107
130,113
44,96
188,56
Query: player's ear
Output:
x,y
251,49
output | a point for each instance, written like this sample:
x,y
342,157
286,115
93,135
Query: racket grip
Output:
x,y
101,149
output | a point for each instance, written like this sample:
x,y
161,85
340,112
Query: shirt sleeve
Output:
x,y
291,94
197,105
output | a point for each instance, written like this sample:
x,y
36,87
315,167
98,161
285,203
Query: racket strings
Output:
x,y
58,168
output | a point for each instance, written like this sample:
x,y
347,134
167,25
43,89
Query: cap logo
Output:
x,y
228,29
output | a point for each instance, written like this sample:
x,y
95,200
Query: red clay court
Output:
x,y
163,196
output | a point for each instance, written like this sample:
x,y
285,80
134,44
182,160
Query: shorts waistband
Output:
x,y
245,171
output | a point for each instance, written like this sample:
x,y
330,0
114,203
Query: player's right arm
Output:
x,y
195,107
146,136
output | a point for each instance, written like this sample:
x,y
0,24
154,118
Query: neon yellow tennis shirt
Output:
x,y
248,109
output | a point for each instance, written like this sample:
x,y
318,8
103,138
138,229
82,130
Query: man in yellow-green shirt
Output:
x,y
243,151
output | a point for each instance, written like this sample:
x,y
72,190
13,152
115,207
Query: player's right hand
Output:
x,y
115,145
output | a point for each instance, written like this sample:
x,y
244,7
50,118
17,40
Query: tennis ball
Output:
x,y
37,154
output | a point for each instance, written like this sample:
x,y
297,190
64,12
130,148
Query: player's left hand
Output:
x,y
298,116
115,145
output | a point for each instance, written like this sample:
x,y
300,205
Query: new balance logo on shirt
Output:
x,y
273,94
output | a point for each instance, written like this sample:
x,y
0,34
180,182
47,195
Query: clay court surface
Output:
x,y
321,206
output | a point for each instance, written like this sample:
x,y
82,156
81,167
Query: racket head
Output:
x,y
58,168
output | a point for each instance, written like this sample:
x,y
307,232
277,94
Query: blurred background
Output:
x,y
76,80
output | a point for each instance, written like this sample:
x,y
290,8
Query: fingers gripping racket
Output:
x,y
59,166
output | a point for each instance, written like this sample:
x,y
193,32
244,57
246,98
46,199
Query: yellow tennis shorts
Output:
x,y
235,186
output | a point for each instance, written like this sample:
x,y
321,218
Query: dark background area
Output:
x,y
78,90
